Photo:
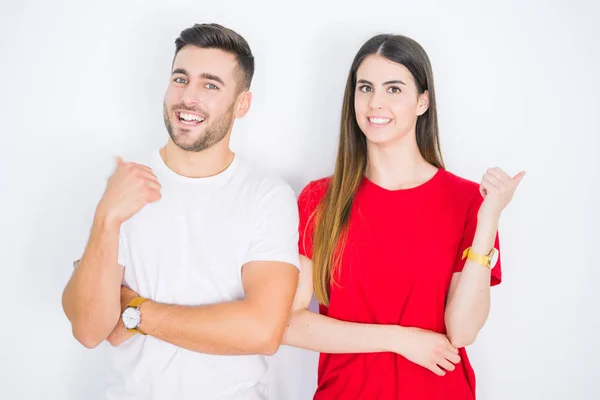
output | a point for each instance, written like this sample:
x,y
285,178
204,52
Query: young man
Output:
x,y
192,262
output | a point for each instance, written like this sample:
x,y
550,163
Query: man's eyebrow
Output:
x,y
179,71
212,77
204,75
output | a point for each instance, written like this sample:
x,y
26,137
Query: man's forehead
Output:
x,y
197,60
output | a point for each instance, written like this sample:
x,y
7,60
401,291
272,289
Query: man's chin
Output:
x,y
188,142
188,135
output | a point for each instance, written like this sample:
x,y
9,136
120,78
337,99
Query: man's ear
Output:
x,y
243,104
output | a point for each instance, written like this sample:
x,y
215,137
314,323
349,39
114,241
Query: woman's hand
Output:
x,y
428,349
497,189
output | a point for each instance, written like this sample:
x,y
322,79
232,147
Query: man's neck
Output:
x,y
200,164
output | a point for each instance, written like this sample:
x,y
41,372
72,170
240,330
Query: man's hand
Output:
x,y
120,334
129,188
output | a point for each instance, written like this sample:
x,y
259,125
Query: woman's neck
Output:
x,y
398,165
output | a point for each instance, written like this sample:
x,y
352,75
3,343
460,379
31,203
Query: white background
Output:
x,y
517,85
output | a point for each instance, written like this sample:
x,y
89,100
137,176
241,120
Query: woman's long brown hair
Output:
x,y
333,213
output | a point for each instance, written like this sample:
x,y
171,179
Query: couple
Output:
x,y
198,266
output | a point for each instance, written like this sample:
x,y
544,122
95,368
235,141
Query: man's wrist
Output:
x,y
105,223
146,314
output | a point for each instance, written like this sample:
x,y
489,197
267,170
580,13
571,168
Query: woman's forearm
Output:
x,y
316,332
469,302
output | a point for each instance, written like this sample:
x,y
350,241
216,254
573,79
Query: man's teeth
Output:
x,y
379,121
190,117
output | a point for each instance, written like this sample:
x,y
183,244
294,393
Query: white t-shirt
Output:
x,y
188,249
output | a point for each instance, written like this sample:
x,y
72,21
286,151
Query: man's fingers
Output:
x,y
142,166
153,184
145,173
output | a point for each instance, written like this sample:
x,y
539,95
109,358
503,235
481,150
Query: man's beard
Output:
x,y
213,133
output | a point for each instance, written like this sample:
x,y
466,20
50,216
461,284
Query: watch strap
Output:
x,y
478,258
136,330
136,302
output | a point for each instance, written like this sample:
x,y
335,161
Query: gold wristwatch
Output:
x,y
489,260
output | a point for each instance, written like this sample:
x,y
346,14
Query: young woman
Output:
x,y
399,252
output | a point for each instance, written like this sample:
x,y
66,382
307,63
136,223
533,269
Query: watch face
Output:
x,y
494,258
131,317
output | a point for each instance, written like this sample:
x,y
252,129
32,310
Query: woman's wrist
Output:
x,y
395,339
485,236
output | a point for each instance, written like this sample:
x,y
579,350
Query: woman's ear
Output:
x,y
423,103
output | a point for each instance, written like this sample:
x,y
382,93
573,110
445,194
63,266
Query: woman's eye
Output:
x,y
394,90
364,88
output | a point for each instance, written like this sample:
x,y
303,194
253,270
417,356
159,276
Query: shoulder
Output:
x,y
464,192
459,186
311,196
460,183
261,185
314,191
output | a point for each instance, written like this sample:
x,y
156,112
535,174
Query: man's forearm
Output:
x,y
468,307
91,299
232,328
316,332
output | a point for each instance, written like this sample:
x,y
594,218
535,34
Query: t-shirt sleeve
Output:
x,y
307,206
467,240
275,236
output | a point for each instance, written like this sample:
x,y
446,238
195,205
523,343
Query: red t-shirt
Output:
x,y
402,248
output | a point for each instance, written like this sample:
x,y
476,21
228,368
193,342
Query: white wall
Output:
x,y
517,85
